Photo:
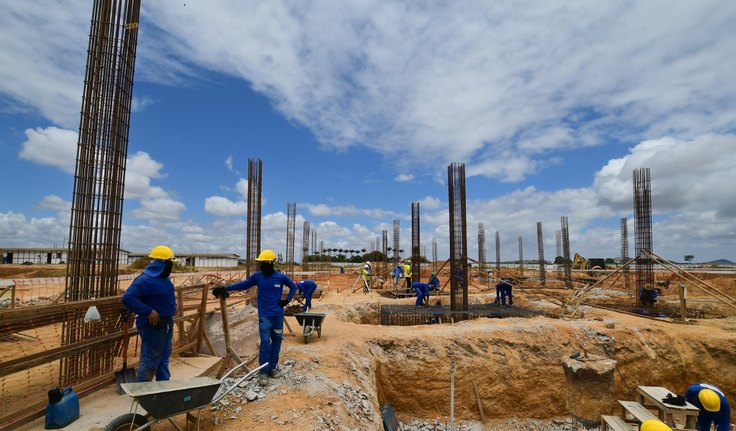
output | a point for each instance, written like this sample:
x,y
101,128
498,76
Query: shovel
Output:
x,y
126,375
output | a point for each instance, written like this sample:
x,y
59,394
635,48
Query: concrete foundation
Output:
x,y
589,387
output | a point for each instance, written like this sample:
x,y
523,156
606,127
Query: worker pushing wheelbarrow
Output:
x,y
166,399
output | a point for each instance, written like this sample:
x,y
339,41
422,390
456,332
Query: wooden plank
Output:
x,y
477,400
636,410
615,423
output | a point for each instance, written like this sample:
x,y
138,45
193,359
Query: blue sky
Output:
x,y
356,109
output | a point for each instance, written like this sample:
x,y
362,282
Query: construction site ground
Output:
x,y
341,380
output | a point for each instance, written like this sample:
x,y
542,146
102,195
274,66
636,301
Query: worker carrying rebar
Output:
x,y
397,274
407,274
367,275
713,406
151,297
270,309
422,290
503,290
434,282
306,289
648,295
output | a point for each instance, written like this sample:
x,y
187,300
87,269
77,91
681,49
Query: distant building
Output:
x,y
197,260
50,255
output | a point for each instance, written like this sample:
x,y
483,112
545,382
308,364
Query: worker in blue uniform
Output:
x,y
422,290
503,290
306,289
434,282
397,274
270,309
648,295
713,406
151,297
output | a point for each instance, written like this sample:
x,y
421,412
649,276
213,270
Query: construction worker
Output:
x,y
270,309
306,289
713,406
654,425
648,295
367,276
422,290
407,275
151,297
434,282
397,274
503,289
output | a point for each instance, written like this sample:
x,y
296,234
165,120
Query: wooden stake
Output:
x,y
477,400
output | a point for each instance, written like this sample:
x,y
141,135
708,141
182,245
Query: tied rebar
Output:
x,y
540,253
498,250
290,232
397,232
305,246
416,255
481,246
458,237
565,233
253,216
643,229
625,252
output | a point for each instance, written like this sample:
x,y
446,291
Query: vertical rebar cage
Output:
x,y
521,256
481,246
498,250
565,233
290,232
305,246
99,179
397,246
253,216
384,250
625,251
540,253
643,228
434,254
416,255
458,237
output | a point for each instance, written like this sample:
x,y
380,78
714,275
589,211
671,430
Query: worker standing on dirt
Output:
x,y
367,276
307,288
397,274
270,309
151,297
422,290
503,289
713,406
434,282
407,274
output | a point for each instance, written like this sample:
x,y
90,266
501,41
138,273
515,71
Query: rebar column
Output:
x,y
253,215
290,232
521,256
643,229
416,255
99,179
458,237
565,233
384,253
481,246
558,243
625,252
305,246
434,254
397,232
540,253
498,251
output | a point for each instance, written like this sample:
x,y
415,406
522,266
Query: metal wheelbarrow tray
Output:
x,y
163,400
310,323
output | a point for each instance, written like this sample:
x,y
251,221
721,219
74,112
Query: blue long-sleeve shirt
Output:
x,y
720,418
398,272
306,287
434,282
269,291
151,291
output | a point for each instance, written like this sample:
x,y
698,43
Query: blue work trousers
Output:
x,y
421,294
155,351
506,291
271,330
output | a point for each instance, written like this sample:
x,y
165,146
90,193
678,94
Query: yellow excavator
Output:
x,y
581,262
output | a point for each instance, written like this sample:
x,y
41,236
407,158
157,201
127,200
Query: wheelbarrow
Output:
x,y
166,399
310,322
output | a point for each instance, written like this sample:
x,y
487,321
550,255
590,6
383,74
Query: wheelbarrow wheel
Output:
x,y
122,423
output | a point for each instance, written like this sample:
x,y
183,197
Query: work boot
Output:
x,y
274,373
263,379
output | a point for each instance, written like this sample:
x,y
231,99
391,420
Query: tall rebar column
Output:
x,y
384,253
458,237
521,256
99,178
565,232
498,250
643,228
481,246
397,232
540,254
558,243
625,252
434,254
253,215
290,232
416,254
305,246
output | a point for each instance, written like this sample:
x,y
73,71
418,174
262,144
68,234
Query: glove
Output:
x,y
220,291
283,302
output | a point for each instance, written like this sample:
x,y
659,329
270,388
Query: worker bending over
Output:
x,y
648,295
270,309
713,406
422,290
434,282
306,289
503,289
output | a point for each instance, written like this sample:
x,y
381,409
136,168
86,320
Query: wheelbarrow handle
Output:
x,y
235,385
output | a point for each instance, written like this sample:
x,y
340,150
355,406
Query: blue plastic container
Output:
x,y
60,413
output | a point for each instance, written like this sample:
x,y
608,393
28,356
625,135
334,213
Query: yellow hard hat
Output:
x,y
710,400
654,425
266,256
162,252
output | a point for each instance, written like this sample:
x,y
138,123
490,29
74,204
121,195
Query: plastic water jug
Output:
x,y
62,409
